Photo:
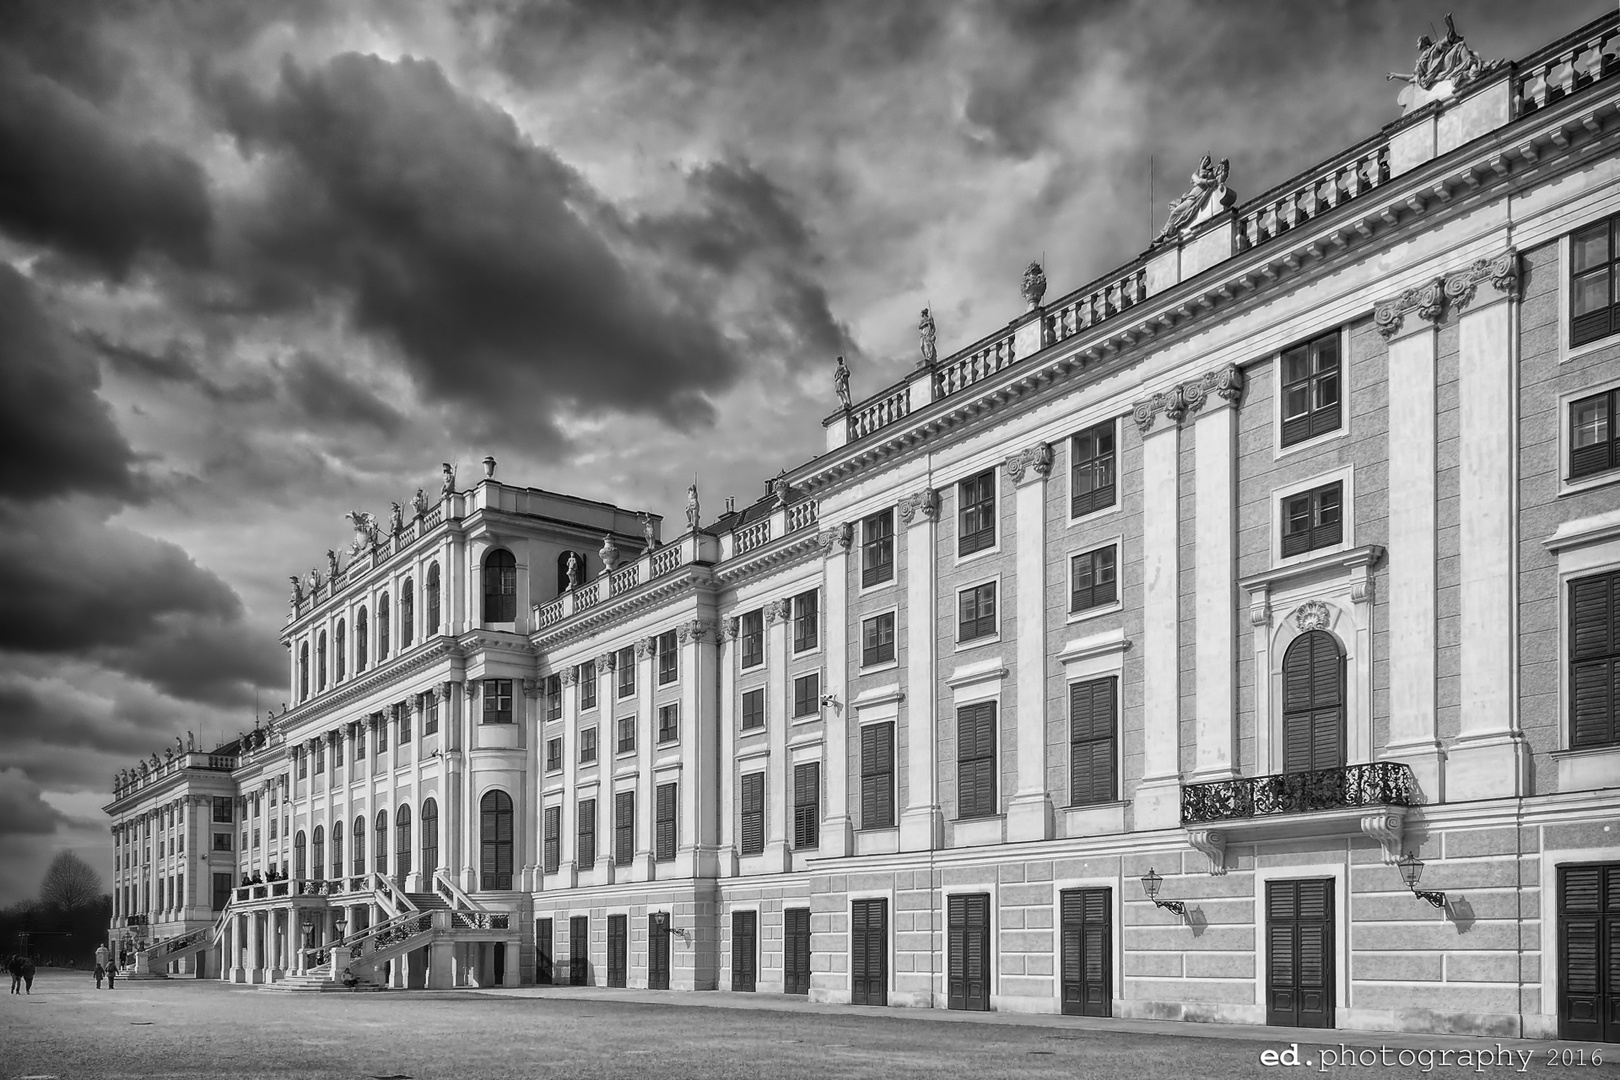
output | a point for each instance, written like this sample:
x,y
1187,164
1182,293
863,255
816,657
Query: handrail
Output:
x,y
449,889
170,945
1378,783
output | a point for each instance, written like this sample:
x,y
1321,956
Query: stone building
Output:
x,y
1234,638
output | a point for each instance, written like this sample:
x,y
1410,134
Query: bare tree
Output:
x,y
70,883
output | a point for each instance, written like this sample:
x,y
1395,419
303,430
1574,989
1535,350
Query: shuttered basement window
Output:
x,y
1313,703
976,760
1594,661
1093,746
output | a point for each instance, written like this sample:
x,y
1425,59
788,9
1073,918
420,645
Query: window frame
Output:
x,y
551,840
806,706
668,733
624,669
1098,607
877,573
1284,440
987,538
985,748
495,691
980,635
505,588
666,825
624,735
585,832
751,815
806,806
1572,659
1567,279
751,629
554,754
669,658
554,697
624,827
743,711
888,776
1345,477
588,745
1112,424
1568,482
892,660
1112,741
806,610
588,686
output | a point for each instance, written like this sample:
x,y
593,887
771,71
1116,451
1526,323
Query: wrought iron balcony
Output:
x,y
1378,783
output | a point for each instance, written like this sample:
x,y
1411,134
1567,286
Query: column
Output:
x,y
1412,554
697,834
459,766
255,962
778,854
837,834
531,822
1029,813
646,752
728,748
233,949
1158,795
567,855
1216,396
1488,758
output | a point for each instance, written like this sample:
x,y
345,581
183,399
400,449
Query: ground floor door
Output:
x,y
967,961
869,952
796,950
744,951
1299,953
1589,952
579,950
542,952
658,952
618,951
1088,952
497,965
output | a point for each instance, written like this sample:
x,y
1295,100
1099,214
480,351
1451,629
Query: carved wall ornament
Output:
x,y
531,688
1362,590
925,502
839,537
1212,843
1386,827
778,611
1207,197
645,647
1313,615
728,629
1442,69
604,663
1427,300
570,676
1035,461
695,630
1225,383
1502,272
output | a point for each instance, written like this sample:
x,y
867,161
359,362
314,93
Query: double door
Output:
x,y
618,950
796,950
967,962
1088,951
1589,952
869,952
579,950
658,952
744,951
1299,953
542,952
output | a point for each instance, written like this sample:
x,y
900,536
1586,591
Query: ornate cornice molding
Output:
x,y
1223,384
1502,272
923,504
1427,300
399,669
791,548
1034,462
657,593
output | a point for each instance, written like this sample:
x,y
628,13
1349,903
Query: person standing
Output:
x,y
103,958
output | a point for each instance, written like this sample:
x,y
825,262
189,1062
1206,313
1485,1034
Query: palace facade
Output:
x,y
1233,638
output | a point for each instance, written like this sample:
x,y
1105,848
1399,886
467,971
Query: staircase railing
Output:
x,y
167,947
394,896
452,892
384,940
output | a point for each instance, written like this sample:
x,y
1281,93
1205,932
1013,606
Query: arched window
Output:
x,y
299,853
402,843
495,835
317,853
320,663
430,841
382,627
359,843
379,856
360,640
500,586
303,671
1313,703
407,612
433,599
339,660
337,849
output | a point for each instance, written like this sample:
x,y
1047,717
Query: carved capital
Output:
x,y
1312,615
604,664
836,539
924,503
532,688
446,688
1362,590
1427,300
1502,272
1171,402
778,611
1034,462
728,629
472,686
1260,611
1212,842
695,630
645,647
570,676
1223,383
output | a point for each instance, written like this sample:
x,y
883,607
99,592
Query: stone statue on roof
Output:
x,y
925,340
1207,197
692,494
297,589
396,519
841,384
1442,68
610,554
365,530
331,565
191,741
1033,286
448,485
647,530
573,569
419,502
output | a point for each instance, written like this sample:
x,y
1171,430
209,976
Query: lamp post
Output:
x,y
1411,872
1150,884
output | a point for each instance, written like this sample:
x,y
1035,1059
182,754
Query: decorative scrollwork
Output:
x,y
1313,615
925,502
1379,783
1427,300
1036,461
1502,272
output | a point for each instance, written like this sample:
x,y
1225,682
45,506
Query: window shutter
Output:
x,y
1092,741
753,814
976,759
1594,661
1591,326
807,804
624,808
877,776
667,813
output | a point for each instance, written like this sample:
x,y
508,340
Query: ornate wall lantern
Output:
x,y
1150,884
1411,872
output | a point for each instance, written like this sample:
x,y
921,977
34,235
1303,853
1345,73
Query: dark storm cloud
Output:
x,y
325,394
176,364
22,811
56,435
491,263
31,717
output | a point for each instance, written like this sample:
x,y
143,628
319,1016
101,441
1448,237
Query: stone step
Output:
x,y
428,901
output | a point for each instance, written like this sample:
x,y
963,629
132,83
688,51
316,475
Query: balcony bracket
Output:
x,y
1212,842
1386,827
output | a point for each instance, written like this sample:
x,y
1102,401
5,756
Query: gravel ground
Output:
x,y
188,1028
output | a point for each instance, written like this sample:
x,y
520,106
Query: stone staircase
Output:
x,y
427,901
317,980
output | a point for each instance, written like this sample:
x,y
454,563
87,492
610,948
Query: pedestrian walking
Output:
x,y
112,974
103,959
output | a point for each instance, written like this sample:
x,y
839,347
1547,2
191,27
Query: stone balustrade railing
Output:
x,y
752,536
624,579
967,368
803,515
879,412
1333,184
1089,306
1573,63
190,759
645,568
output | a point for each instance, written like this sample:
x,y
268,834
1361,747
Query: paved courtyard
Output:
x,y
189,1028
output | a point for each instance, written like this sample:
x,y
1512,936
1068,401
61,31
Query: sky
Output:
x,y
263,262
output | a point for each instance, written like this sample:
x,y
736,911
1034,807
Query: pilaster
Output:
x,y
697,835
779,808
567,875
1029,813
837,834
1157,799
727,853
646,753
1216,398
922,824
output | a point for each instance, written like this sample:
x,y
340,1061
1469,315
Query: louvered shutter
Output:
x,y
807,804
753,814
667,813
553,839
624,837
796,950
877,776
744,949
976,759
1594,676
1092,735
1313,704
585,835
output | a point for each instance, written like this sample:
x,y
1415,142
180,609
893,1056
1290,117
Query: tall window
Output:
x,y
752,840
500,586
403,712
625,666
877,639
806,621
669,658
358,839
302,757
358,738
497,701
382,733
877,776
1312,519
585,835
554,697
360,640
587,746
669,722
1594,661
495,840
402,842
1593,254
337,849
1313,703
1594,435
300,856
320,754
976,517
429,830
223,810
551,852
753,709
317,853
1310,389
627,734
1091,579
976,760
1091,472
877,549
339,658
1093,741
624,827
554,754
430,714
807,694
303,671
976,612
382,627
665,837
380,854
320,662
751,630
587,685
806,805
433,599
407,613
